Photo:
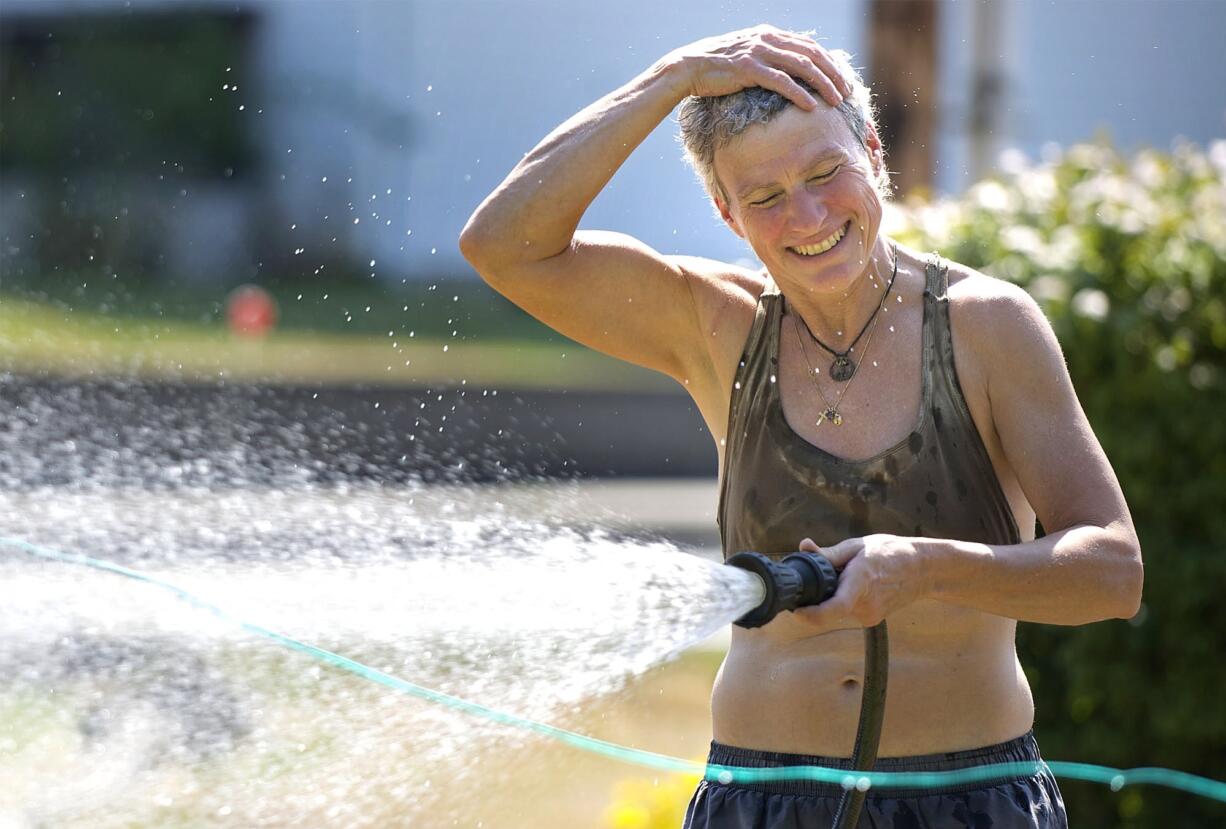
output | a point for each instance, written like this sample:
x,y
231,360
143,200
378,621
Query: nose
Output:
x,y
807,216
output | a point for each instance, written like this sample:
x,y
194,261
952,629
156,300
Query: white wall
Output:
x,y
437,99
1140,71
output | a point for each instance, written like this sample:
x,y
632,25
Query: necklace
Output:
x,y
843,368
830,412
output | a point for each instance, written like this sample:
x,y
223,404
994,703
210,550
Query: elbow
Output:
x,y
477,250
473,246
1134,580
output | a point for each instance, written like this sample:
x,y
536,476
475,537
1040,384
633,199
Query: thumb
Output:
x,y
808,546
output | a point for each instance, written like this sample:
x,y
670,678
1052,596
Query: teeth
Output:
x,y
823,246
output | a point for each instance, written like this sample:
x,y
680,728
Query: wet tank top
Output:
x,y
778,488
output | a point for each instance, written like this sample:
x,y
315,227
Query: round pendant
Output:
x,y
842,368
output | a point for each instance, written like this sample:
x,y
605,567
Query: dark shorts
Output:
x,y
1004,803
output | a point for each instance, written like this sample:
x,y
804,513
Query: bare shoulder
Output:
x,y
725,295
996,325
725,300
722,281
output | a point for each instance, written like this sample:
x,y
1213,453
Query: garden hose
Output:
x,y
804,580
1115,778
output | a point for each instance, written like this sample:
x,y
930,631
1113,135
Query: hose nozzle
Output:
x,y
799,580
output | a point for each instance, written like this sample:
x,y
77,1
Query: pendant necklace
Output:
x,y
830,412
842,368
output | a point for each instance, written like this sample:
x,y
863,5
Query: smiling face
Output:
x,y
800,192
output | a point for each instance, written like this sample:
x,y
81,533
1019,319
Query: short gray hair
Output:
x,y
707,124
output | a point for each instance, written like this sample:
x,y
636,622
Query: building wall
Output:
x,y
435,101
1141,73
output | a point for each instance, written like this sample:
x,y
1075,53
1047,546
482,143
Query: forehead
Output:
x,y
784,148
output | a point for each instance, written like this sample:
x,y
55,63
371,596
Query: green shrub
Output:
x,y
1128,258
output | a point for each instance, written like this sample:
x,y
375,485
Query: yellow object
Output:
x,y
650,803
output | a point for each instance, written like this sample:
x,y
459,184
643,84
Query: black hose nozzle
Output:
x,y
799,580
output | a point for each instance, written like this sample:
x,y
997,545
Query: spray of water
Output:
x,y
441,586
121,706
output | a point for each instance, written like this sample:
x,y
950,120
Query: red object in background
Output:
x,y
251,311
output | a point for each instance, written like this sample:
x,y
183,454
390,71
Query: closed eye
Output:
x,y
826,175
818,178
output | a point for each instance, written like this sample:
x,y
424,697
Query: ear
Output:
x,y
876,155
727,216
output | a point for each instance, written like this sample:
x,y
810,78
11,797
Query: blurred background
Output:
x,y
228,255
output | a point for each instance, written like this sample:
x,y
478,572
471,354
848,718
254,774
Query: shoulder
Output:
x,y
992,313
725,295
725,301
723,281
999,330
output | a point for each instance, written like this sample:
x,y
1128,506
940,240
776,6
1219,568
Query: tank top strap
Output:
x,y
938,338
754,365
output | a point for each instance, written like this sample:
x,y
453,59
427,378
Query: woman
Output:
x,y
907,417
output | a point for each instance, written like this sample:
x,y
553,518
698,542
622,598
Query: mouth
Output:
x,y
823,246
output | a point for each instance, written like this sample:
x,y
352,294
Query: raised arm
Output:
x,y
607,290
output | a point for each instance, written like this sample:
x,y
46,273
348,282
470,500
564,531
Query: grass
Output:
x,y
49,336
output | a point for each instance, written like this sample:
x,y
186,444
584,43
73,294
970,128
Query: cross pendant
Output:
x,y
831,415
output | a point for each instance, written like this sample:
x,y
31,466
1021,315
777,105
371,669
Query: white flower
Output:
x,y
1038,189
1062,251
1047,288
1091,303
991,196
1022,239
1217,156
1012,162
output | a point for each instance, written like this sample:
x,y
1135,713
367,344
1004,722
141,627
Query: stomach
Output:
x,y
954,683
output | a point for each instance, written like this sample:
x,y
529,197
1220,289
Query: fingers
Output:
x,y
848,608
832,614
777,80
815,65
801,65
843,552
808,546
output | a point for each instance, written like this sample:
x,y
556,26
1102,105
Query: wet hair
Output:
x,y
709,123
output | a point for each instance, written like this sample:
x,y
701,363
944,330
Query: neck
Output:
x,y
837,315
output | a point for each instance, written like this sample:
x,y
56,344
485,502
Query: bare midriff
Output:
x,y
954,683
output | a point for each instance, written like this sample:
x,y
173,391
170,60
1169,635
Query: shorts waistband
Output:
x,y
1023,749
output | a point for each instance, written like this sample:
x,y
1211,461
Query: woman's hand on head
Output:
x,y
763,56
878,576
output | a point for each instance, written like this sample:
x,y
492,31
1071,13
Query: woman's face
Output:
x,y
800,192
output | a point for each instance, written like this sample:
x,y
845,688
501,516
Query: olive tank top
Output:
x,y
779,488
